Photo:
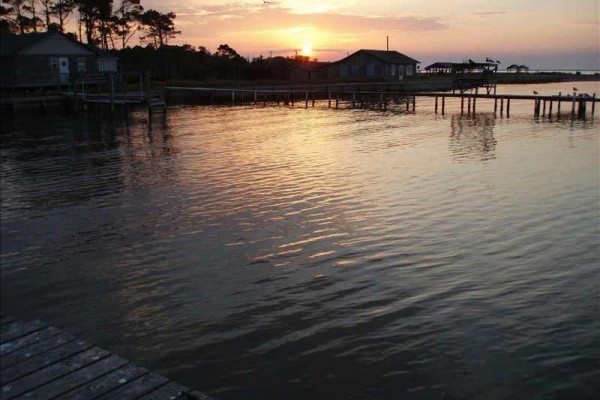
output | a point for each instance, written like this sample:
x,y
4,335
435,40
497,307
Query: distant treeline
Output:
x,y
186,62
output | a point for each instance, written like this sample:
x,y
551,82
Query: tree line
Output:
x,y
113,27
99,22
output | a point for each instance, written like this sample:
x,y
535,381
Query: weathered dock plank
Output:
x,y
6,319
138,387
17,329
35,349
52,372
43,360
43,363
171,391
76,379
27,340
106,383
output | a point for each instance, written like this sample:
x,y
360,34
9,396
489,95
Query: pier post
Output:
x,y
559,103
329,97
501,106
337,100
469,105
436,104
573,105
544,109
581,108
313,98
495,104
443,105
362,100
508,108
385,101
475,99
147,88
462,105
111,89
550,109
306,99
414,101
536,107
593,104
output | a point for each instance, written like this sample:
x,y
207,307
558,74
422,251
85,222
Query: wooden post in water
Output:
x,y
475,99
550,108
469,105
508,108
593,104
306,99
337,100
462,105
329,97
111,91
573,105
581,109
495,104
436,104
559,103
414,103
544,109
407,102
147,88
501,106
443,104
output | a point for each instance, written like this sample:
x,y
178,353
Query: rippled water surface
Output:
x,y
271,253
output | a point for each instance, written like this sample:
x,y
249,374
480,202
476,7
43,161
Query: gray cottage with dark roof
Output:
x,y
49,59
376,65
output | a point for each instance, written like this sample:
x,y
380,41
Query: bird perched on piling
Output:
x,y
534,92
575,89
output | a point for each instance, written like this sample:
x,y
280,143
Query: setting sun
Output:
x,y
307,49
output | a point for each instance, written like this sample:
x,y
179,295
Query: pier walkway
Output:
x,y
38,361
383,99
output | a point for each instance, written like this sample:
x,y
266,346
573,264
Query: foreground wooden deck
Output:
x,y
38,361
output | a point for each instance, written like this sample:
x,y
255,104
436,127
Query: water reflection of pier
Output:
x,y
472,137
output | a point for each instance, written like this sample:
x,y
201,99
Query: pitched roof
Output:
x,y
445,65
12,44
390,57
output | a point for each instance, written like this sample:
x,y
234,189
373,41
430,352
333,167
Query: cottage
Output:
x,y
373,65
514,68
49,59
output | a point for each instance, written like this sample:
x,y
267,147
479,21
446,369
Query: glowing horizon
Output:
x,y
543,34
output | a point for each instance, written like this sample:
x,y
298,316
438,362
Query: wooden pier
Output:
x,y
38,361
341,96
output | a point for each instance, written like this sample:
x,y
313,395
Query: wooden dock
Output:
x,y
340,96
42,362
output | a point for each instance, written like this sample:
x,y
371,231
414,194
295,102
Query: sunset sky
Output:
x,y
561,34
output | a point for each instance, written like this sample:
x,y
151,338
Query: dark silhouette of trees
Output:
x,y
127,20
61,9
158,28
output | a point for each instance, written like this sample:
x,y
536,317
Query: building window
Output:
x,y
355,69
393,70
54,63
81,64
371,70
409,70
344,71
